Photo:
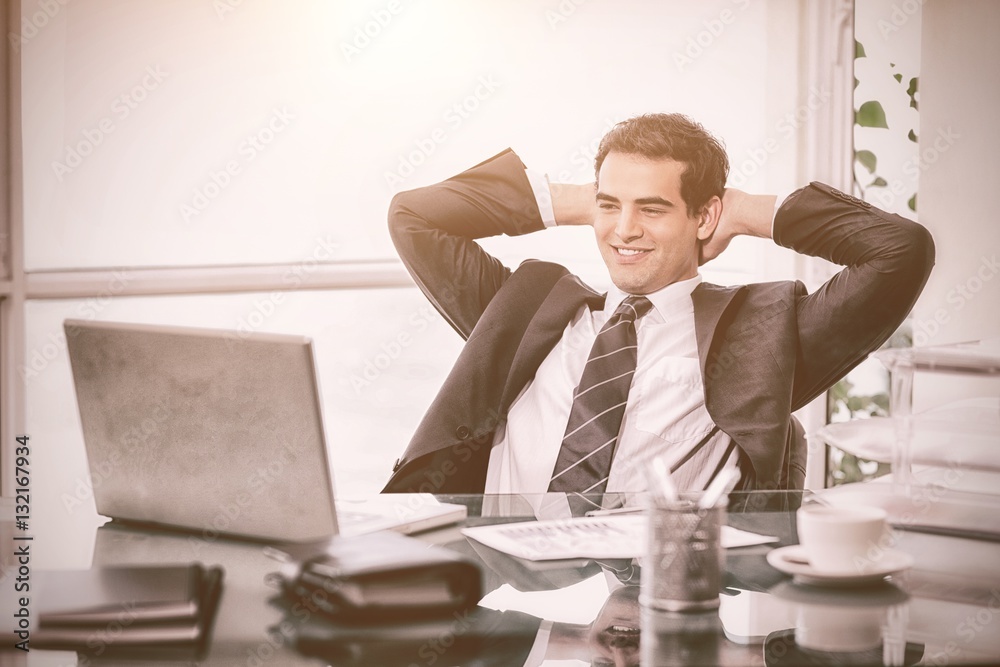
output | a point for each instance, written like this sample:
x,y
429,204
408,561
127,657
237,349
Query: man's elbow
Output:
x,y
921,251
402,218
398,210
912,263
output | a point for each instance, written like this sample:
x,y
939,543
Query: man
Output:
x,y
704,376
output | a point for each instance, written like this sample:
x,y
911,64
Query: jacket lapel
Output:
x,y
545,330
710,302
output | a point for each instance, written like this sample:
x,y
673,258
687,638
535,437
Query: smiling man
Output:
x,y
560,388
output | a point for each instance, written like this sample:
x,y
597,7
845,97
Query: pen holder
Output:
x,y
684,557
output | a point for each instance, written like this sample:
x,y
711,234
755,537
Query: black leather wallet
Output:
x,y
384,577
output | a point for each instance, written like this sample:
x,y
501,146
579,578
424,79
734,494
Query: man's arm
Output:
x,y
887,260
743,214
573,204
434,230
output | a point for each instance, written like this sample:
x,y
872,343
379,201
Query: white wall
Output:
x,y
133,111
959,177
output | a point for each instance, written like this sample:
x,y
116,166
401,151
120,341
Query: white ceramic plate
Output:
x,y
792,560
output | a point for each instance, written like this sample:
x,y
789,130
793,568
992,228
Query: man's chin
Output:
x,y
631,286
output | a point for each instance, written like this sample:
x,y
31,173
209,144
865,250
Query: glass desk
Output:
x,y
944,610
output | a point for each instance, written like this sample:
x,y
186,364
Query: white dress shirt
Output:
x,y
665,413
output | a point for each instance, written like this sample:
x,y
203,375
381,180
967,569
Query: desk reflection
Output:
x,y
866,626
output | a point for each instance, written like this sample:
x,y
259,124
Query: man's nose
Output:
x,y
628,228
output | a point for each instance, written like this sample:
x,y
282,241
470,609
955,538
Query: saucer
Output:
x,y
792,560
780,648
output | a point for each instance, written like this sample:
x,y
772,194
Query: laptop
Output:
x,y
218,432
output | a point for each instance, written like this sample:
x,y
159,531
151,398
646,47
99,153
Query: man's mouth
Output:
x,y
630,252
622,637
621,630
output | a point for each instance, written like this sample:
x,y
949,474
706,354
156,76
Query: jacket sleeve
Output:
x,y
434,230
887,260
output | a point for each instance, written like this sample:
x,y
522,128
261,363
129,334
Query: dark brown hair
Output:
x,y
676,137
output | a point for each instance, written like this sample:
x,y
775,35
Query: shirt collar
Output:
x,y
665,300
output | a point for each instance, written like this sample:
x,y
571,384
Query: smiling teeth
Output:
x,y
623,629
629,251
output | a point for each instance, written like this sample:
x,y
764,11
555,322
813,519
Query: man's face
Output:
x,y
646,237
614,634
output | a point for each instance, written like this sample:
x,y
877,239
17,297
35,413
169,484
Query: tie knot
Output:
x,y
633,307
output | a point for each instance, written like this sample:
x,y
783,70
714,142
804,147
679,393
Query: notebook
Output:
x,y
127,611
217,432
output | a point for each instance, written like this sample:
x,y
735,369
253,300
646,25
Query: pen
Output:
x,y
618,510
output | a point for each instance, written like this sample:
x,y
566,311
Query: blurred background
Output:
x,y
229,164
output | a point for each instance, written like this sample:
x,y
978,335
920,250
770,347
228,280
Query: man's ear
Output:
x,y
708,218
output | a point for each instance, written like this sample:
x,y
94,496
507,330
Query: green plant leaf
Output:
x,y
912,204
857,403
867,159
898,77
912,136
859,50
871,114
912,92
879,182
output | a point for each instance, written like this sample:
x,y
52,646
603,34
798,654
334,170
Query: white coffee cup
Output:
x,y
843,540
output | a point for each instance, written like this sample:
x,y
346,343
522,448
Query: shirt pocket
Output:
x,y
671,402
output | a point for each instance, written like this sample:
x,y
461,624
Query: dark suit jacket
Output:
x,y
765,349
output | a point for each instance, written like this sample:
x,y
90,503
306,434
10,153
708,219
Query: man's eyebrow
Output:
x,y
642,201
666,203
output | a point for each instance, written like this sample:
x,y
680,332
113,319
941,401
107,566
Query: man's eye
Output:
x,y
605,206
653,211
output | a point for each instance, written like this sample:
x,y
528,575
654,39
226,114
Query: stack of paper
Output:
x,y
587,537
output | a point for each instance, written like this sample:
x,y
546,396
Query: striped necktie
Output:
x,y
588,447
